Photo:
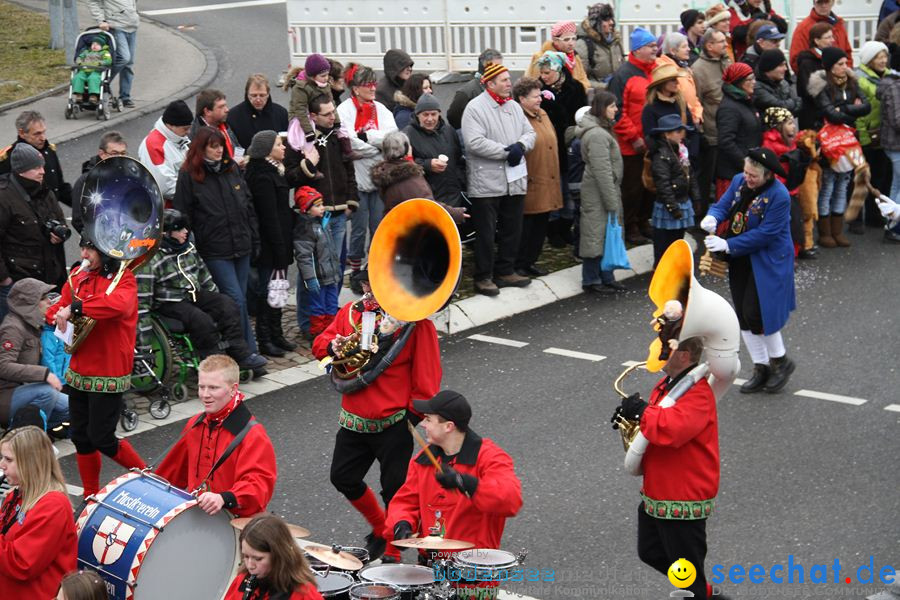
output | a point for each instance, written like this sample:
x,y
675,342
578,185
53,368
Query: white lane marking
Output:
x,y
739,381
574,354
223,6
496,340
74,490
631,363
893,407
831,397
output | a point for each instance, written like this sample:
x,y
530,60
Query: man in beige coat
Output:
x,y
708,69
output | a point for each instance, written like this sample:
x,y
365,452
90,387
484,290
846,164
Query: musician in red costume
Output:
x,y
272,565
681,467
476,490
38,542
374,414
100,371
224,452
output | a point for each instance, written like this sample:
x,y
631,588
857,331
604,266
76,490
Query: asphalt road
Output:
x,y
801,476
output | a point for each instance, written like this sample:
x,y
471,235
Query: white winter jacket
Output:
x,y
370,150
162,151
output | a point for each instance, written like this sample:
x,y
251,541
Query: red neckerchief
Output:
x,y
498,99
570,61
366,115
220,416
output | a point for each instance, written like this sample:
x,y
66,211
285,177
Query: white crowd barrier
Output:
x,y
448,35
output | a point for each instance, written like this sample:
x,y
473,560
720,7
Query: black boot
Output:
x,y
554,234
264,332
781,372
278,331
758,380
565,230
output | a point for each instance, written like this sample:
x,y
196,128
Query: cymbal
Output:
x,y
433,542
296,530
338,560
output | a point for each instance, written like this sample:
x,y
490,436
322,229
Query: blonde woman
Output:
x,y
38,544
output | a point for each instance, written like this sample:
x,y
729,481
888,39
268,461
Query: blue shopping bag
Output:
x,y
614,254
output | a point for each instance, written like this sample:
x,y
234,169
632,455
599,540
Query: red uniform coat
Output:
x,y
629,84
415,374
682,460
105,358
479,519
305,592
800,39
37,552
246,480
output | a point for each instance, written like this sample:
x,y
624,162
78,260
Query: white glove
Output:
x,y
716,244
708,224
889,209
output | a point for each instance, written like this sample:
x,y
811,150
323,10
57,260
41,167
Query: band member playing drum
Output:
x,y
474,493
223,452
38,543
272,564
681,467
373,418
100,371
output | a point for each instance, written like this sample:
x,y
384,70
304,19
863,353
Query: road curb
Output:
x,y
17,103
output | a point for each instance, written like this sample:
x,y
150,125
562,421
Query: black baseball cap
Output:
x,y
451,405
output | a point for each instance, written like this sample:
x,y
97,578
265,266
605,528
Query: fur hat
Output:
x,y
262,143
831,56
24,157
316,64
870,50
178,114
716,14
769,60
561,28
640,37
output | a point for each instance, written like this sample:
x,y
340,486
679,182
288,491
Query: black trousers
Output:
x,y
706,179
744,294
503,215
213,317
637,202
661,542
92,421
534,232
662,239
882,176
355,452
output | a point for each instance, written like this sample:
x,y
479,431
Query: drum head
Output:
x,y
485,558
374,591
333,584
405,577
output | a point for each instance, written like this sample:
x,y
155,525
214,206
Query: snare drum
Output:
x,y
409,579
374,591
334,585
480,572
317,565
142,535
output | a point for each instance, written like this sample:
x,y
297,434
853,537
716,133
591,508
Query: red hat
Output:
x,y
737,72
561,28
306,197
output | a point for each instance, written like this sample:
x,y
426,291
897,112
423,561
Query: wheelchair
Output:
x,y
165,370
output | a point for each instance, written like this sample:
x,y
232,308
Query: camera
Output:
x,y
59,229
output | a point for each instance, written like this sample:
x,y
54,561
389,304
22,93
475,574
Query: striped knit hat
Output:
x,y
492,71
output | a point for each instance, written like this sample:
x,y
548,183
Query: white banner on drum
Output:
x,y
110,540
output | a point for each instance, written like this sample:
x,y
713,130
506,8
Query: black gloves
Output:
x,y
516,152
451,479
362,135
633,407
674,210
402,530
615,417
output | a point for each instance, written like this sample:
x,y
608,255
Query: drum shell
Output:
x,y
480,569
335,585
365,590
409,579
156,528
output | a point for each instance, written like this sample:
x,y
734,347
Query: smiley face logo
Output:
x,y
682,573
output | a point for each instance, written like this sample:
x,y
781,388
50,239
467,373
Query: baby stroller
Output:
x,y
106,102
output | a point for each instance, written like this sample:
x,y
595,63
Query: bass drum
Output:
x,y
142,535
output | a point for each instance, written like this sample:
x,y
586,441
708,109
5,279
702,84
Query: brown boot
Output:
x,y
825,238
837,231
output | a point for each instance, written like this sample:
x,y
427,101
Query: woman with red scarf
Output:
x,y
563,40
371,121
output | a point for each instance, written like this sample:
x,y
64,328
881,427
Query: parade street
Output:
x,y
804,474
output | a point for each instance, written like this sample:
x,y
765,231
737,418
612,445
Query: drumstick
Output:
x,y
421,442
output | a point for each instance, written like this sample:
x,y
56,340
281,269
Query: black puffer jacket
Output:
x,y
836,104
25,248
768,93
220,211
427,145
272,201
739,130
674,183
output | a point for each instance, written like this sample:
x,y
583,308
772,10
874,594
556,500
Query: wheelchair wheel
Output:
x,y
160,409
180,392
129,420
246,376
161,353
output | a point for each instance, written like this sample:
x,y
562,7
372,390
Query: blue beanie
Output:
x,y
640,37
